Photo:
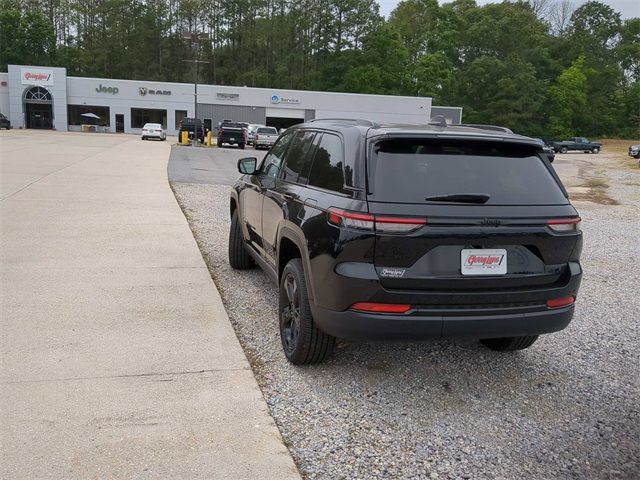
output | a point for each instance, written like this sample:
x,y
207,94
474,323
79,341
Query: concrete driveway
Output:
x,y
118,359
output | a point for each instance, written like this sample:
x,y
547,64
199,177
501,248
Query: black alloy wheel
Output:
x,y
303,343
290,316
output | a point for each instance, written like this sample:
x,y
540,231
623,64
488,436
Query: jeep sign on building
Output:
x,y
45,97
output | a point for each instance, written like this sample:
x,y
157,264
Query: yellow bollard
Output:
x,y
185,138
209,138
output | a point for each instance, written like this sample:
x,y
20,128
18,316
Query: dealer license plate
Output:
x,y
484,261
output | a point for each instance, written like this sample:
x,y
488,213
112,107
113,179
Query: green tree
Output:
x,y
26,37
568,100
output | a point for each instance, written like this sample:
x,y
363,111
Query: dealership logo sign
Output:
x,y
36,76
228,96
144,90
112,90
278,99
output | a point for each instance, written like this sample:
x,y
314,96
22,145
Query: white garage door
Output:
x,y
285,112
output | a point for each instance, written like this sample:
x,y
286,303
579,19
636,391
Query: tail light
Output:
x,y
370,307
381,223
565,224
560,302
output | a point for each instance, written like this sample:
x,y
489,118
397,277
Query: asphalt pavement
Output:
x,y
213,165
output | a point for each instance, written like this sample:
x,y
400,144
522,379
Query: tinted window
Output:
x,y
273,160
299,156
327,169
409,170
269,130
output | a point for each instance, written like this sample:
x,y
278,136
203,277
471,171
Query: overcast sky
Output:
x,y
627,8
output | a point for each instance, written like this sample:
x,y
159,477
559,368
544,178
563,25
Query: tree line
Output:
x,y
541,67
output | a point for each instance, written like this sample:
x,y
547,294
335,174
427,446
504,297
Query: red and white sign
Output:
x,y
484,261
36,76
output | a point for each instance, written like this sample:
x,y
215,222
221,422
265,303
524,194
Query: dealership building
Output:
x,y
45,97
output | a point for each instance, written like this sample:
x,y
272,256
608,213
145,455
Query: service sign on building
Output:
x,y
36,76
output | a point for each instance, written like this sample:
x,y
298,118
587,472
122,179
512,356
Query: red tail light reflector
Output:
x,y
380,307
565,224
560,302
382,223
343,218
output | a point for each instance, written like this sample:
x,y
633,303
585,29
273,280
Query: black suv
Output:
x,y
405,232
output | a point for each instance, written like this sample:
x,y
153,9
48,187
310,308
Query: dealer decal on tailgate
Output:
x,y
482,261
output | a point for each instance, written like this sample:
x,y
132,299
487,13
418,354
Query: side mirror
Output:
x,y
247,165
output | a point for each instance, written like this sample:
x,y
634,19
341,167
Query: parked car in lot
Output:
x,y
251,133
372,232
4,122
579,144
634,151
265,137
232,133
548,150
194,127
153,130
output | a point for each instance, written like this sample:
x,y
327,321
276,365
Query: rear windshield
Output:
x,y
410,170
270,130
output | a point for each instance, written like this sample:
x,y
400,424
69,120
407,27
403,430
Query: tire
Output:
x,y
302,342
241,146
564,149
595,150
239,258
509,344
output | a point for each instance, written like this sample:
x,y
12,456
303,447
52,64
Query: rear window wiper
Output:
x,y
460,198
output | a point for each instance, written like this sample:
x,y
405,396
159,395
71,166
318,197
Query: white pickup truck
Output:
x,y
265,137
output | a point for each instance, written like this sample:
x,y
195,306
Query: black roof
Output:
x,y
435,129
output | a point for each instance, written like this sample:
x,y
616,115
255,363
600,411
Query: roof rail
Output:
x,y
438,120
495,128
348,121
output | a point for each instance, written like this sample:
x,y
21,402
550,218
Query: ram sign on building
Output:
x,y
45,97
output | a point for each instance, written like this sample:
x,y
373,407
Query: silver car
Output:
x,y
265,137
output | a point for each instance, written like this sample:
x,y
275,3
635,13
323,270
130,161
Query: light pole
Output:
x,y
195,40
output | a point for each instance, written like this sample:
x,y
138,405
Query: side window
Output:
x,y
273,160
327,169
299,156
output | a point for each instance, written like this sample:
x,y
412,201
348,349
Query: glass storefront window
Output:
x,y
140,116
76,117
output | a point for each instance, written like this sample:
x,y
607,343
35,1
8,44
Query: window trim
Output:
x,y
344,184
286,158
284,154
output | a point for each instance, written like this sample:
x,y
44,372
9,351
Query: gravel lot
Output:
x,y
566,408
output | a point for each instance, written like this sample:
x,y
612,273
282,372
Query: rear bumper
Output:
x,y
353,325
442,314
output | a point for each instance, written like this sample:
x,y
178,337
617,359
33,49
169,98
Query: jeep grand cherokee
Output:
x,y
405,232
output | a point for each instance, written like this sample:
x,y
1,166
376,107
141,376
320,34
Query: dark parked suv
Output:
x,y
405,232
